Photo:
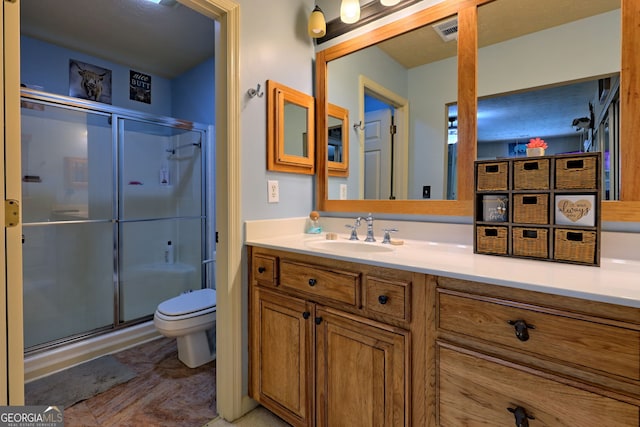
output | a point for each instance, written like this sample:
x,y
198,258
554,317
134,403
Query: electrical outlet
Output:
x,y
426,191
343,191
273,191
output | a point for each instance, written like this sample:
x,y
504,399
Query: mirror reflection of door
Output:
x,y
385,150
377,154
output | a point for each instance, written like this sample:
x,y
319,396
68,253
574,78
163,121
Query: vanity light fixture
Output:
x,y
353,16
317,24
350,11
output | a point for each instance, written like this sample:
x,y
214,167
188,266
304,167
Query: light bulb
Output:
x,y
389,2
317,24
350,11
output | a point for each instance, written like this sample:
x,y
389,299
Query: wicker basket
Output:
x,y
531,208
531,242
576,172
491,240
575,245
531,174
492,176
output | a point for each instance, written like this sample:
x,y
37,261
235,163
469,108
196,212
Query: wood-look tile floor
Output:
x,y
165,393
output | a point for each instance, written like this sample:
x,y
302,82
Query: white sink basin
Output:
x,y
349,246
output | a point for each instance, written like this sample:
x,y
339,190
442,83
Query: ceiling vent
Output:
x,y
447,30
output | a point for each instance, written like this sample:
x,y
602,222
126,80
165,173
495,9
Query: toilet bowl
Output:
x,y
188,318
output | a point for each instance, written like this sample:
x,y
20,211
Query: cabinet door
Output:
x,y
361,371
282,332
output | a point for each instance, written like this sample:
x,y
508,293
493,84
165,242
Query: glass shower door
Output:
x,y
162,218
67,190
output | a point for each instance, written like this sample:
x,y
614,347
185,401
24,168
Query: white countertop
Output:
x,y
616,281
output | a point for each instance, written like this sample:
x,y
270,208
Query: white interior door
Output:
x,y
377,154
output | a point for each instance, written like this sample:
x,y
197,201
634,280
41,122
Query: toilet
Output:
x,y
190,317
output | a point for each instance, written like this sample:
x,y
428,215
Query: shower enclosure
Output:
x,y
115,216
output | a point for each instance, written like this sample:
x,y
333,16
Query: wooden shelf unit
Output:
x,y
516,205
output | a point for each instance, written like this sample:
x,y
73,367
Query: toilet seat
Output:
x,y
188,305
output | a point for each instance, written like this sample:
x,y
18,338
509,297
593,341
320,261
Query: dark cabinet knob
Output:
x,y
318,320
522,329
521,416
306,314
261,269
382,299
312,282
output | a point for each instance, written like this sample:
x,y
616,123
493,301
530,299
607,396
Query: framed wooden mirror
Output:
x,y
338,140
627,208
290,130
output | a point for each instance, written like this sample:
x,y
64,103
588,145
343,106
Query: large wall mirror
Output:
x,y
572,63
529,87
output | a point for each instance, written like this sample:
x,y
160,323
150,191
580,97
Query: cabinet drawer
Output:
x,y
265,270
388,298
335,285
475,389
563,336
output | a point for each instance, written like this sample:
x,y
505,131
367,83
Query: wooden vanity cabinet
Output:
x,y
506,354
338,343
283,332
341,332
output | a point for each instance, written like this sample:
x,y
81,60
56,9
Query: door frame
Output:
x,y
12,336
233,403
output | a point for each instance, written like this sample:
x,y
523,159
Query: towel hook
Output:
x,y
358,126
253,92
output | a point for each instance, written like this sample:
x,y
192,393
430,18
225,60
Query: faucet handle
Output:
x,y
354,228
387,234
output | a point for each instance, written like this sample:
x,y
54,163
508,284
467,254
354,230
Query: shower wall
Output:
x,y
98,216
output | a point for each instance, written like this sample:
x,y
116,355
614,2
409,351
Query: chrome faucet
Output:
x,y
354,229
370,237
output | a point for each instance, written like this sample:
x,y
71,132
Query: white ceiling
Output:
x,y
513,117
158,39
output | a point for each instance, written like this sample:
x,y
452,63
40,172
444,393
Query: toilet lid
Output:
x,y
188,302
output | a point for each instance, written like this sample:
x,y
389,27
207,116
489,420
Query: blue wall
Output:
x,y
193,94
189,96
